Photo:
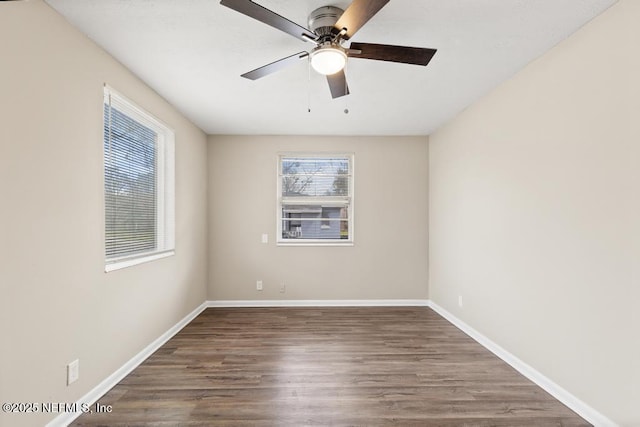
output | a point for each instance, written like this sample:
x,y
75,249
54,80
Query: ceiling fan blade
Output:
x,y
358,14
274,66
338,84
264,15
384,52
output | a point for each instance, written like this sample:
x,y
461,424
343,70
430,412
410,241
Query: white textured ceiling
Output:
x,y
192,52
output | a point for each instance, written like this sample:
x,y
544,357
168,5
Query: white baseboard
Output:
x,y
97,392
321,303
575,404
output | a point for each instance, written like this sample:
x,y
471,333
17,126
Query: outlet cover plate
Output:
x,y
73,372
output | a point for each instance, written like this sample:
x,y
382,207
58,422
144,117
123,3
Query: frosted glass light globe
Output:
x,y
328,60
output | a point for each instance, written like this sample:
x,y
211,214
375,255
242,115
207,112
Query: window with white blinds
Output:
x,y
315,199
138,184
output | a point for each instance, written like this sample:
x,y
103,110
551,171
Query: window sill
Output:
x,y
118,265
314,243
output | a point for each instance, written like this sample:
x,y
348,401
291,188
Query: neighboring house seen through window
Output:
x,y
138,184
315,204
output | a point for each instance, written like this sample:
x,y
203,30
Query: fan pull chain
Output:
x,y
346,88
309,84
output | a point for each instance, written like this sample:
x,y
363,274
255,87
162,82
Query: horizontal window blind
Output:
x,y
303,177
130,184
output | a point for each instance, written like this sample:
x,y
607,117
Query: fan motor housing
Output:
x,y
322,20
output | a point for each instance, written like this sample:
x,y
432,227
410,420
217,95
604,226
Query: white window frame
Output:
x,y
347,201
165,184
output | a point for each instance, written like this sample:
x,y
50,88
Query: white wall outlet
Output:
x,y
259,285
73,371
459,300
282,288
265,238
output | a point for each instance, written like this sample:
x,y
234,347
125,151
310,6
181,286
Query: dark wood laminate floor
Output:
x,y
326,366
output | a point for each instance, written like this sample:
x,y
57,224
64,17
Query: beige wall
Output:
x,y
57,304
388,260
534,213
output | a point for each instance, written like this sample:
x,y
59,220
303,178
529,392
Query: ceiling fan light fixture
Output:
x,y
328,60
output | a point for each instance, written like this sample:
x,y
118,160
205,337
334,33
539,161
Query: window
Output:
x,y
315,199
138,184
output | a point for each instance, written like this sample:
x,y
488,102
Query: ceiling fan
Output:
x,y
329,28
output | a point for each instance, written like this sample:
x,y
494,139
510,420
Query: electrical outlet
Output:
x,y
282,288
459,300
259,285
73,371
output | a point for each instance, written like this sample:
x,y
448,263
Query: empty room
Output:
x,y
347,213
